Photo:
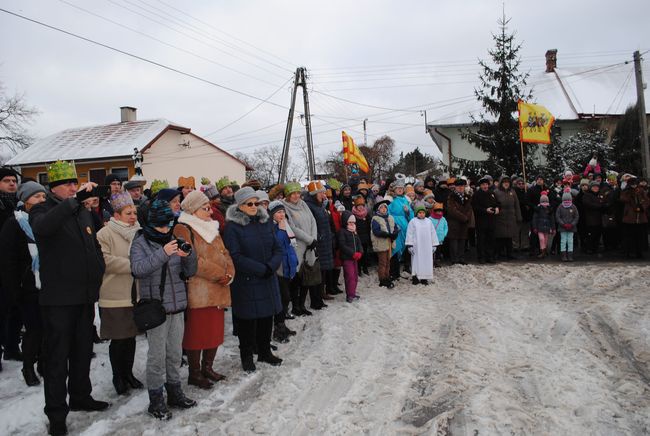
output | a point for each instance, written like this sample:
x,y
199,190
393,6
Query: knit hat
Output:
x,y
543,198
358,200
428,196
210,191
420,207
292,187
186,182
245,193
160,213
315,187
275,206
417,183
339,206
61,172
262,195
193,201
168,194
5,171
121,200
584,181
567,196
347,216
27,189
156,186
379,203
110,178
275,191
409,188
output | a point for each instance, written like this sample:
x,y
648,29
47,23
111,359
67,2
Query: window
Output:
x,y
97,175
42,178
122,173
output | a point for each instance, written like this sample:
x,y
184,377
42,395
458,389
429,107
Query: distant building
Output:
x,y
169,151
596,96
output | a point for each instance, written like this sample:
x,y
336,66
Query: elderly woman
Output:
x,y
161,267
508,219
115,295
208,291
304,226
256,254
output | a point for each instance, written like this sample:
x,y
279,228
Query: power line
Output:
x,y
140,58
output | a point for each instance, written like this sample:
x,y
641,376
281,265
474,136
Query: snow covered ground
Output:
x,y
526,349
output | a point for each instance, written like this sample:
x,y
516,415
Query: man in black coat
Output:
x,y
72,268
486,208
522,242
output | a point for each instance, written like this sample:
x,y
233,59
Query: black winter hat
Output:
x,y
110,178
460,182
379,203
6,171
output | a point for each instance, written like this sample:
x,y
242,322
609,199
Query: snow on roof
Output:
x,y
96,142
569,94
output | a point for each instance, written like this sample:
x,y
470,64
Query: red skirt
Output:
x,y
203,328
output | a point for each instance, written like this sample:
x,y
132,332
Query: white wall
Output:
x,y
167,160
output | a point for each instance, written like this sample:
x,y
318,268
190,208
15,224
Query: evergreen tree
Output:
x,y
412,163
627,144
496,129
575,152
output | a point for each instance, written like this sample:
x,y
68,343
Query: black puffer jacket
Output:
x,y
72,264
16,265
324,247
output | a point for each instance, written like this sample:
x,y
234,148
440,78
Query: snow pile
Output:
x,y
512,348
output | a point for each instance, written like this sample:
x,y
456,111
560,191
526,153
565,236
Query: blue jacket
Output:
x,y
402,218
256,254
441,228
324,248
289,256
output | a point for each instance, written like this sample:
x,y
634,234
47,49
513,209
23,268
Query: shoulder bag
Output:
x,y
149,313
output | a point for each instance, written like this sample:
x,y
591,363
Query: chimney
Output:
x,y
551,60
128,114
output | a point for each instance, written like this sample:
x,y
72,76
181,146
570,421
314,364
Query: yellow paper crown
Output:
x,y
157,185
61,170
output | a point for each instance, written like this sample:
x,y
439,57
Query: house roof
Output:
x,y
98,142
569,94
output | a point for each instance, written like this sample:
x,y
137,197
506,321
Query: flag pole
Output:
x,y
523,164
346,172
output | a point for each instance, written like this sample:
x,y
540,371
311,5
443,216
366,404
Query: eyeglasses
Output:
x,y
251,203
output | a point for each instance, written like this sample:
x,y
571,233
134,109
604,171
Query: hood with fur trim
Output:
x,y
235,215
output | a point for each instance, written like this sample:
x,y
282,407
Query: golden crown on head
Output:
x,y
61,170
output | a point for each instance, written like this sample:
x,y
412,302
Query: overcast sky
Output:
x,y
378,55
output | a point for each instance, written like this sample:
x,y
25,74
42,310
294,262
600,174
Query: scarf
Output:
x,y
22,218
9,199
460,196
567,203
208,230
151,234
437,215
123,229
360,212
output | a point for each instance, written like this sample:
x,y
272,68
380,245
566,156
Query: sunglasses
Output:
x,y
253,203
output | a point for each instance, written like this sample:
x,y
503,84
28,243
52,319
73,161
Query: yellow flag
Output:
x,y
352,154
535,123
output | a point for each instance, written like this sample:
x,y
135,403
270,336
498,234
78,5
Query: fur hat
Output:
x,y
245,193
160,213
193,201
460,182
253,183
187,182
120,200
409,188
27,189
275,206
315,187
275,191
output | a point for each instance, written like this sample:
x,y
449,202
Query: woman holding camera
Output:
x,y
256,254
161,269
208,291
115,299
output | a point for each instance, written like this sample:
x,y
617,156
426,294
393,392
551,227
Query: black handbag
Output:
x,y
149,313
309,274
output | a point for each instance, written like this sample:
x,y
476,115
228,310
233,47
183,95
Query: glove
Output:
x,y
567,226
410,249
312,245
356,256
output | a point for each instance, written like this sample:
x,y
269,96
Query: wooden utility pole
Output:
x,y
299,80
643,122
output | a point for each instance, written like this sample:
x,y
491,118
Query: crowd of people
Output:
x,y
186,256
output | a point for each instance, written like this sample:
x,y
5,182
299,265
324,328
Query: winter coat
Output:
x,y
481,201
383,226
441,228
147,261
324,247
636,205
289,266
349,243
18,283
509,217
213,263
567,215
594,205
72,265
459,216
525,207
402,213
303,224
256,254
363,229
543,219
117,283
441,194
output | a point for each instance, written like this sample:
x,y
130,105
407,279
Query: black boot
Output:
x,y
280,333
303,299
30,376
270,359
116,351
176,397
415,280
157,407
389,284
57,428
336,273
89,405
127,362
316,300
247,362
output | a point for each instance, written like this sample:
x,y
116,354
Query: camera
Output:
x,y
183,245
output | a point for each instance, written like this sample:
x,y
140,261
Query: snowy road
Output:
x,y
533,349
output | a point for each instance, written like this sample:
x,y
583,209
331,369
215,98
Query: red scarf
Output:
x,y
360,212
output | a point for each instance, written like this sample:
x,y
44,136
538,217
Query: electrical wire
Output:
x,y
140,58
